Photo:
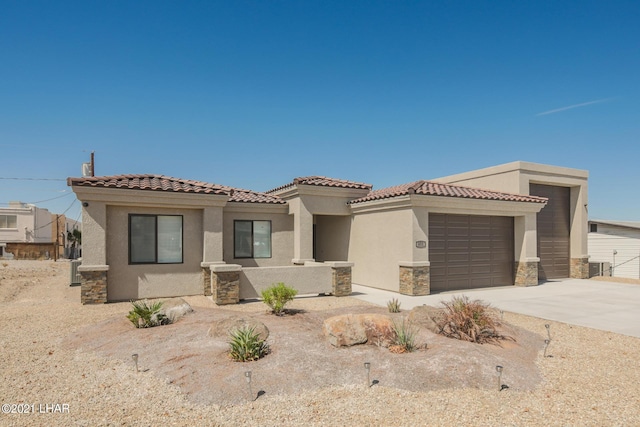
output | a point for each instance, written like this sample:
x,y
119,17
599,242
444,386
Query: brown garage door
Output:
x,y
470,251
553,231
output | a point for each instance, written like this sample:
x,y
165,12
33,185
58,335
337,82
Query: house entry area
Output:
x,y
470,251
331,237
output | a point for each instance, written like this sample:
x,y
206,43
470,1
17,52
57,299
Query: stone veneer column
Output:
x,y
206,276
340,278
225,283
527,272
415,278
580,267
93,289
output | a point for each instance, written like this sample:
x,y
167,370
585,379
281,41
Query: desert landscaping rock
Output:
x,y
226,327
175,309
353,329
425,316
54,350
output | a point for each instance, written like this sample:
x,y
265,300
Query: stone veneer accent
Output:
x,y
225,285
579,268
526,273
93,289
415,279
341,281
206,281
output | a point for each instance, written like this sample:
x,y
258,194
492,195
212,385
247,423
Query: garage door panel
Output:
x,y
478,251
553,229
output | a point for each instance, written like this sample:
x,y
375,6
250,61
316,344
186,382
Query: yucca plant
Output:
x,y
245,345
472,321
277,296
146,314
393,305
404,340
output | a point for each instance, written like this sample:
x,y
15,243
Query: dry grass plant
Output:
x,y
472,321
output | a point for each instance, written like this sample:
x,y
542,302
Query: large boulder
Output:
x,y
353,329
175,309
226,327
425,316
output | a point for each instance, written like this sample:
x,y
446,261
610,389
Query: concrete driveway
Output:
x,y
607,306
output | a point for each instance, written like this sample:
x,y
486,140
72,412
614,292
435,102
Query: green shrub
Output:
x,y
472,321
146,314
393,305
246,345
277,296
404,340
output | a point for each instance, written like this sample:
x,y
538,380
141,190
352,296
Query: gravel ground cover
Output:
x,y
592,378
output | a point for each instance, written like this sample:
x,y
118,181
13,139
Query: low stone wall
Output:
x,y
30,251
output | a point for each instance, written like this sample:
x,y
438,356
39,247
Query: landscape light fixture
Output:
x,y
499,371
367,367
546,345
134,356
548,326
247,376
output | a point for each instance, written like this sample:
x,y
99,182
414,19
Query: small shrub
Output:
x,y
393,305
146,314
404,340
277,296
472,321
246,345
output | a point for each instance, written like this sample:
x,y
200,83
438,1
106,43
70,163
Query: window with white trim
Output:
x,y
8,221
251,239
155,239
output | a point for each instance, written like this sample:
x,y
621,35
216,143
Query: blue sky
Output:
x,y
253,94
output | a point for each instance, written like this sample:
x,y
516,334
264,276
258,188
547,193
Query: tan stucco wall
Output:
x,y
379,241
281,233
152,280
332,237
313,279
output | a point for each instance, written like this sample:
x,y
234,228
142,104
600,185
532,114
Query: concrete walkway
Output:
x,y
607,306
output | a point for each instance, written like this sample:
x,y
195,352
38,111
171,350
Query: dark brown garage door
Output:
x,y
553,231
470,251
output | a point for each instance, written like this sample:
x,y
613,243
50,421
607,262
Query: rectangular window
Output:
x,y
155,239
593,228
8,221
251,239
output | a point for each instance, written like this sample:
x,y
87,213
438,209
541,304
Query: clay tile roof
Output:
x,y
323,181
167,183
247,196
437,189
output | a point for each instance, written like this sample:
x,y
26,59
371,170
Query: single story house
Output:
x,y
155,236
615,244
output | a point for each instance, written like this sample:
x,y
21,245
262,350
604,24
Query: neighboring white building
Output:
x,y
22,222
616,242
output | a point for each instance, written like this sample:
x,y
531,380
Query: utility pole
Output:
x,y
56,245
93,164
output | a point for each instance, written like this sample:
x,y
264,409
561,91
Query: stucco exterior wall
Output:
x,y
281,234
332,237
152,280
379,241
306,279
